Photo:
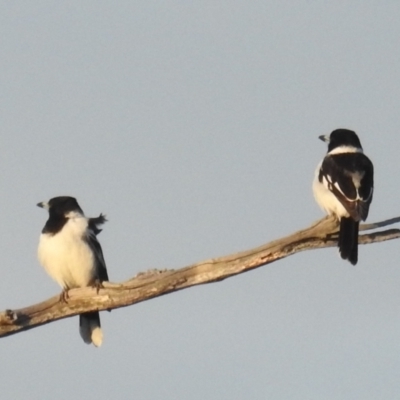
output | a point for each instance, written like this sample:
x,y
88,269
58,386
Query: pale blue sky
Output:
x,y
193,126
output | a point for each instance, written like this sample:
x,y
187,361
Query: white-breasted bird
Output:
x,y
343,186
70,253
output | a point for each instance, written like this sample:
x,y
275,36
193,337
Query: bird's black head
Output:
x,y
61,206
61,209
342,137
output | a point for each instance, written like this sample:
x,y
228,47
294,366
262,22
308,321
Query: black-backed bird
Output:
x,y
70,253
343,186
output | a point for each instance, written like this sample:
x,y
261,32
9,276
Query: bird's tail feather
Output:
x,y
90,329
348,239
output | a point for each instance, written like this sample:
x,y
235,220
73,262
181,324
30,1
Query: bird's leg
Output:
x,y
64,296
11,315
331,236
97,285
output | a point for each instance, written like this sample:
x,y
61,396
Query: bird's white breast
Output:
x,y
325,198
66,257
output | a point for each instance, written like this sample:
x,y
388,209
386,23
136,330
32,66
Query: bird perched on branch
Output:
x,y
343,186
72,256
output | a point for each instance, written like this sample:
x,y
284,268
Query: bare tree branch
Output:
x,y
156,283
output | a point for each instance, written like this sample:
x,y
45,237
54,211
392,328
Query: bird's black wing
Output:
x,y
93,243
350,177
95,222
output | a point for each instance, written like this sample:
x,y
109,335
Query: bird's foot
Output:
x,y
97,285
64,296
331,236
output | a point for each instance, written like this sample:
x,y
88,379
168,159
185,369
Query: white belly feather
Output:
x,y
326,199
66,257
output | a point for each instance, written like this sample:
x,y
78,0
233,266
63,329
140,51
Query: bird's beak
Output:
x,y
43,204
324,138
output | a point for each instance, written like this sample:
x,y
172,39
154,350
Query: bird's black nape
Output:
x,y
348,239
343,137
